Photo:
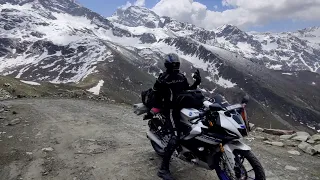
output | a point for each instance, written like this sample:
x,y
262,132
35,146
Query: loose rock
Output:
x,y
259,129
292,143
14,122
307,148
291,168
278,132
294,152
6,85
274,143
285,137
48,149
261,137
252,126
302,136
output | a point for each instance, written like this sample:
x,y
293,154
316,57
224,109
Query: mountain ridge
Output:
x,y
77,46
289,51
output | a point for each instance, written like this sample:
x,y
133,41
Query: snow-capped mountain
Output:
x,y
280,51
62,42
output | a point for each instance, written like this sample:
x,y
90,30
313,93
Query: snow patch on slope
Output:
x,y
210,67
31,83
96,89
60,30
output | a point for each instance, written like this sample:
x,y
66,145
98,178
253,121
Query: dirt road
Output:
x,y
77,139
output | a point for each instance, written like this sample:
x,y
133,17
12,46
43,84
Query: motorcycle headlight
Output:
x,y
243,130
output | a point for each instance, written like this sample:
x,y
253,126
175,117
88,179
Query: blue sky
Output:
x,y
108,7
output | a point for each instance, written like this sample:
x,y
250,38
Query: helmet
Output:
x,y
172,62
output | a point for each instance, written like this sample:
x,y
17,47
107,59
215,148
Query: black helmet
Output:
x,y
172,62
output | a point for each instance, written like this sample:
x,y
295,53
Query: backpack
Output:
x,y
148,98
190,99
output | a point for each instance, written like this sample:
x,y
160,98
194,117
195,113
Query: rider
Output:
x,y
167,87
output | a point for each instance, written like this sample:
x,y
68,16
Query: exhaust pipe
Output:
x,y
155,139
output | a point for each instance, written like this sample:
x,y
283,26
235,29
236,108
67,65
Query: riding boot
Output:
x,y
164,171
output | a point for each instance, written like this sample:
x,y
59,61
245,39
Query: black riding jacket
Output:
x,y
167,88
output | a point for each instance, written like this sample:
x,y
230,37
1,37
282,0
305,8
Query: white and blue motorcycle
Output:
x,y
212,138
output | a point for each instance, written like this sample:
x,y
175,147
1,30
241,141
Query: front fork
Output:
x,y
229,157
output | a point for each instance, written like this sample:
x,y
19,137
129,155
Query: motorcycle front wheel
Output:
x,y
247,167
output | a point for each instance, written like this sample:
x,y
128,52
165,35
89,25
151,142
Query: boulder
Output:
x,y
317,148
291,143
307,148
285,137
302,136
310,141
274,143
294,152
252,126
278,132
315,137
259,129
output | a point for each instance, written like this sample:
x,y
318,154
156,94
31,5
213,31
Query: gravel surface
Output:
x,y
78,139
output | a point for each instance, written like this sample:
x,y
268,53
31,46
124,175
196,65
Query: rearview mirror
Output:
x,y
245,99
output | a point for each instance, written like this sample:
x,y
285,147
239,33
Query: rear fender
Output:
x,y
234,145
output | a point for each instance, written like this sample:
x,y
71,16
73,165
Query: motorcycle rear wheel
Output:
x,y
157,149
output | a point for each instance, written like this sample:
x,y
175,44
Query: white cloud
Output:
x,y
137,3
128,4
215,7
140,3
242,13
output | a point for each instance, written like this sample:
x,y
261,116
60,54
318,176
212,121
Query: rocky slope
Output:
x,y
13,88
62,42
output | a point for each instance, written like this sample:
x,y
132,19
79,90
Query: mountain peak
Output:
x,y
21,2
227,27
230,30
134,16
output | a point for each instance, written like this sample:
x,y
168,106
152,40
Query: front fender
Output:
x,y
234,145
238,145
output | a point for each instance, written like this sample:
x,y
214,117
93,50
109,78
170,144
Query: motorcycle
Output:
x,y
212,138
